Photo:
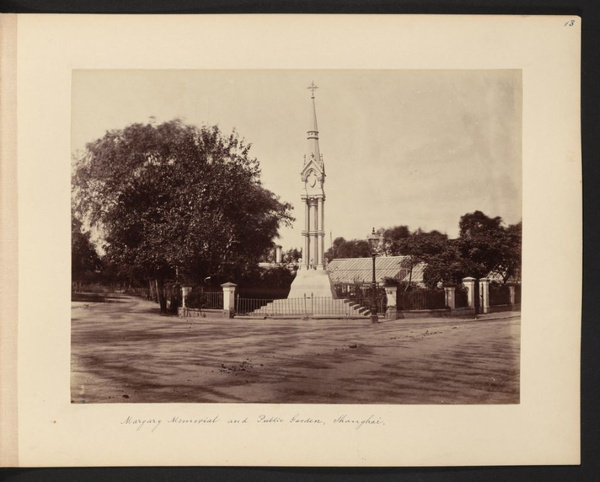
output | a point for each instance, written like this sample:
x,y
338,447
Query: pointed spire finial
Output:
x,y
312,87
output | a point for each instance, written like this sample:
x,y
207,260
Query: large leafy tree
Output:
x,y
174,198
509,263
484,246
84,258
446,266
480,243
354,248
418,246
421,246
395,239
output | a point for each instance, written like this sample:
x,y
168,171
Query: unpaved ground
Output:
x,y
124,351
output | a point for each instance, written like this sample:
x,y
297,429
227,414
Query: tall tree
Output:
x,y
355,248
84,258
394,240
480,243
477,223
418,247
446,266
483,247
509,263
177,198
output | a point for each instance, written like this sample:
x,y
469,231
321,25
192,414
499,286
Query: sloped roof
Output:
x,y
352,270
494,276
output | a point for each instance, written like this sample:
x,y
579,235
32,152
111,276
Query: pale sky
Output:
x,y
413,147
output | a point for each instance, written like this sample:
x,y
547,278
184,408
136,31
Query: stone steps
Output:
x,y
313,307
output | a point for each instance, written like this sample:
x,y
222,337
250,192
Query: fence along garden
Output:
x,y
419,299
359,300
415,299
502,297
305,307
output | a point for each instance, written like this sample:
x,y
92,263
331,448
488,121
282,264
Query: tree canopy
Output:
x,y
484,246
418,246
84,258
355,248
177,198
394,240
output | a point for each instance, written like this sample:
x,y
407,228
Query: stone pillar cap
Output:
x,y
229,284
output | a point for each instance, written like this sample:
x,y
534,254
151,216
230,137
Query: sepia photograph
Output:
x,y
296,236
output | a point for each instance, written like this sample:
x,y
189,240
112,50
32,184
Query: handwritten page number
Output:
x,y
569,23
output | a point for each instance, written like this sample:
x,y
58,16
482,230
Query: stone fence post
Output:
x,y
391,312
228,299
450,292
484,293
185,290
469,283
512,294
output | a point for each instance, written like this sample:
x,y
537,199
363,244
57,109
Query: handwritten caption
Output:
x,y
152,424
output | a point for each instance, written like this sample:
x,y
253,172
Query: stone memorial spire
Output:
x,y
312,278
313,195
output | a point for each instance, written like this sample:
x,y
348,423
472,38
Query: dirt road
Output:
x,y
124,351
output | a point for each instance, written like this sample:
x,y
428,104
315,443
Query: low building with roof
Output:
x,y
360,270
494,276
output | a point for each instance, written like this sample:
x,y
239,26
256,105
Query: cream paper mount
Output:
x,y
40,56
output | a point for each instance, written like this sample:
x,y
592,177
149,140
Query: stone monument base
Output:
x,y
315,282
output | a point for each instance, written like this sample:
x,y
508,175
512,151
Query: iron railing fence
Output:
x,y
262,293
246,306
201,299
127,288
327,306
422,299
306,307
499,295
361,293
214,300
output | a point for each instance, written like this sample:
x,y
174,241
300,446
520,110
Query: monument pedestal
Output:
x,y
312,282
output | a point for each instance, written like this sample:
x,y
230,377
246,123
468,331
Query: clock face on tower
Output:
x,y
312,179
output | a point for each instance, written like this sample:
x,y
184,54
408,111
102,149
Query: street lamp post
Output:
x,y
373,245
